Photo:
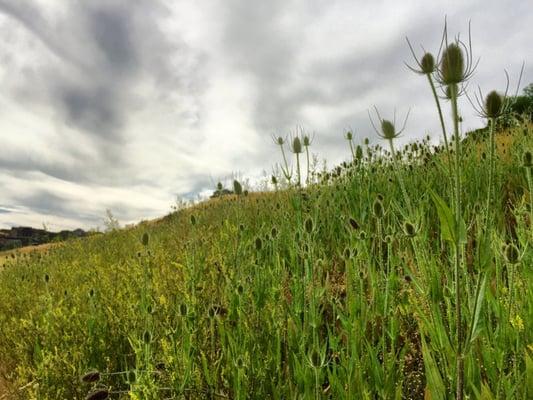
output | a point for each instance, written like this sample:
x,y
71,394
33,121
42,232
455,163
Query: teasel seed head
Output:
x,y
46,278
90,376
147,337
347,254
409,229
237,187
353,223
193,219
452,65
274,232
145,239
359,152
388,239
258,243
297,145
274,180
512,254
362,235
349,135
427,64
183,309
98,394
378,209
493,105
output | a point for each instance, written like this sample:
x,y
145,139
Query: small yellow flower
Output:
x,y
517,323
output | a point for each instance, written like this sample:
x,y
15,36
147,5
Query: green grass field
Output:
x,y
341,290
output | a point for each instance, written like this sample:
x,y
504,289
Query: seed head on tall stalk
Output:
x,y
428,67
297,149
307,141
388,132
493,107
285,168
456,66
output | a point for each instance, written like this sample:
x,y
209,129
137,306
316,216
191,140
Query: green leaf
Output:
x,y
480,294
448,226
435,384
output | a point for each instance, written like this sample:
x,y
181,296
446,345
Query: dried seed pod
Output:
x,y
353,223
409,229
378,209
183,309
258,243
427,64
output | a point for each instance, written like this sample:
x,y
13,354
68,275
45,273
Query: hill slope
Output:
x,y
336,291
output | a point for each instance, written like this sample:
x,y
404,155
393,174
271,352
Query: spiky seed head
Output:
x,y
193,220
349,135
91,293
237,187
241,227
511,254
46,278
409,229
280,141
527,159
145,239
90,376
493,105
297,145
452,65
309,225
362,235
258,243
380,197
388,129
98,394
239,363
427,63
183,309
306,141
353,223
274,232
147,337
377,208
274,180
316,359
388,239
359,152
240,290
366,142
219,186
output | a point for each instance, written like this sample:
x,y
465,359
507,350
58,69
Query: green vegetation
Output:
x,y
403,274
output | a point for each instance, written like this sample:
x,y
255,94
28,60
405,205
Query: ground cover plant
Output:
x,y
403,274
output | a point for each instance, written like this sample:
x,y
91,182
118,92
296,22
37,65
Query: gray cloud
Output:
x,y
124,104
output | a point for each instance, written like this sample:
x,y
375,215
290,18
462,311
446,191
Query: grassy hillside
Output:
x,y
341,291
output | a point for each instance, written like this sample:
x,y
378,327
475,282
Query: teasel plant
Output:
x,y
296,148
527,163
427,66
285,167
493,107
388,131
349,137
455,69
307,141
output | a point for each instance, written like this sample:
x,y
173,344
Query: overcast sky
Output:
x,y
126,104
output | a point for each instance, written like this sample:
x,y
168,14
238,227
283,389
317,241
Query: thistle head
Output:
x,y
452,65
237,187
296,145
349,136
493,105
307,140
427,64
387,128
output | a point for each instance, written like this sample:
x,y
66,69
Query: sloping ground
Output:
x,y
290,293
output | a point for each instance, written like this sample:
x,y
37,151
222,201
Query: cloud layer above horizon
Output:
x,y
126,104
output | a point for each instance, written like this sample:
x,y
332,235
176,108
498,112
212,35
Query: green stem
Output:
x,y
530,186
459,329
491,171
307,156
400,180
298,168
441,118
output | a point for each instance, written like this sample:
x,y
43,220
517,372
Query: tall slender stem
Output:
x,y
400,180
491,170
457,270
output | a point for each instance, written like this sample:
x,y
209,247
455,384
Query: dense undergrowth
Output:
x,y
334,291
